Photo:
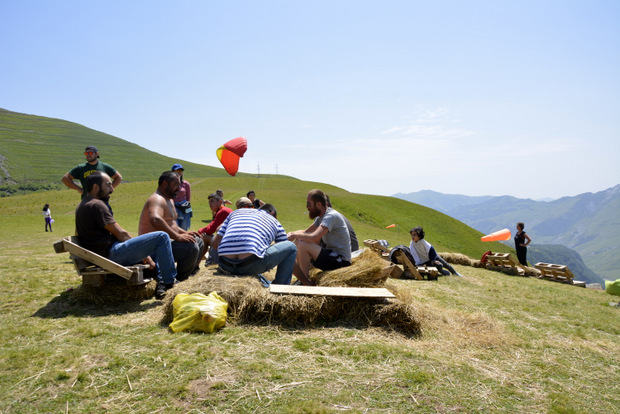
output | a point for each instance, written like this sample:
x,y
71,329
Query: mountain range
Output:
x,y
588,223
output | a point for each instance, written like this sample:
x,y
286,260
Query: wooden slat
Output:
x,y
331,291
409,267
95,259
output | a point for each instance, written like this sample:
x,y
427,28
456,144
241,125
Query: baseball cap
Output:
x,y
93,149
177,167
243,201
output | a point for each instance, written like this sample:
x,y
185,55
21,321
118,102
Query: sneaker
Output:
x,y
162,288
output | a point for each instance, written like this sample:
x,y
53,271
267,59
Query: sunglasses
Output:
x,y
88,153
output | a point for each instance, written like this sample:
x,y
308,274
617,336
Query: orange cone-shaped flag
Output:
x,y
390,226
497,236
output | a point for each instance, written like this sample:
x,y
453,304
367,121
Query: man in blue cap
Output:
x,y
82,171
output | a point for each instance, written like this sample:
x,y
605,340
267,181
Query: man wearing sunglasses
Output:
x,y
82,171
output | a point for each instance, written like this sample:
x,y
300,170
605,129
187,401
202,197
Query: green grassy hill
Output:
x,y
35,152
490,342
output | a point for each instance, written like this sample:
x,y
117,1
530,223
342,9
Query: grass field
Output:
x,y
490,342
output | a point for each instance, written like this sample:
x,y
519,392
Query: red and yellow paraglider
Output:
x,y
500,235
229,154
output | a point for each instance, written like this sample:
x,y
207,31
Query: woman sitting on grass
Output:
x,y
424,253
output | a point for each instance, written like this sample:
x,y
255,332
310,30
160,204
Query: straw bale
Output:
x,y
457,258
365,271
249,302
114,291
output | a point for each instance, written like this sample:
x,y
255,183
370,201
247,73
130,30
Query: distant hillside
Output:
x,y
555,253
588,223
36,151
441,202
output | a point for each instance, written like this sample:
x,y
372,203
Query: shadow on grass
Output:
x,y
67,304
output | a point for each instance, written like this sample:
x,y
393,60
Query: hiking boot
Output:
x,y
162,288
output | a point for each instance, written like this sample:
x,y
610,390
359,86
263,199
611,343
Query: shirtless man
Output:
x,y
159,214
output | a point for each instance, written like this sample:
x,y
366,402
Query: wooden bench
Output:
x,y
416,272
504,263
94,268
377,247
558,273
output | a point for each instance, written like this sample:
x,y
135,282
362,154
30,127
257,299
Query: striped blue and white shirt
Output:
x,y
248,230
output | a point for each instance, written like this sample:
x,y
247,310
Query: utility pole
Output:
x,y
258,169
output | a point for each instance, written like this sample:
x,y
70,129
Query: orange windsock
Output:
x,y
390,226
497,236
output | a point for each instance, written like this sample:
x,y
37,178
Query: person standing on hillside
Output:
x,y
47,213
159,214
182,200
99,232
82,171
521,243
328,227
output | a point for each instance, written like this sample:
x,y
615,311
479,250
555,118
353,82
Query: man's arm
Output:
x,y
67,180
117,231
116,179
216,241
312,234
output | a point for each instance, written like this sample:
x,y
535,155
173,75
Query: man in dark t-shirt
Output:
x,y
82,171
99,232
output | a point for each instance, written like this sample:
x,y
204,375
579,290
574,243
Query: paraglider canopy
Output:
x,y
229,154
500,235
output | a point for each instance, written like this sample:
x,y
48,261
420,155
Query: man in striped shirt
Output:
x,y
244,244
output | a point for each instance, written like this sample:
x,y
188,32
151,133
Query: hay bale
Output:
x,y
365,271
249,302
457,258
114,291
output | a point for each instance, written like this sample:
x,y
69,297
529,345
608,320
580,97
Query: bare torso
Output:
x,y
157,206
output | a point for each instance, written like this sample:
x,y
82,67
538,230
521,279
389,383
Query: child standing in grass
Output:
x,y
47,213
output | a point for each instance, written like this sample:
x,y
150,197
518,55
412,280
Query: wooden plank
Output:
x,y
331,291
375,245
409,267
95,259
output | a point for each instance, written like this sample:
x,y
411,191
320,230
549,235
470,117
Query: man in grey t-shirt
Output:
x,y
329,227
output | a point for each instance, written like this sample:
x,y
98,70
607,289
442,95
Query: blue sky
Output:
x,y
377,97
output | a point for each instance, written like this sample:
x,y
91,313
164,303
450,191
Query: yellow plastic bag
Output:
x,y
197,312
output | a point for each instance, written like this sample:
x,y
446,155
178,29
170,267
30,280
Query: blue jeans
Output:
x,y
156,244
184,220
280,254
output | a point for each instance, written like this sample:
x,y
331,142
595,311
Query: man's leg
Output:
x,y
448,266
187,256
134,250
280,254
305,252
283,256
